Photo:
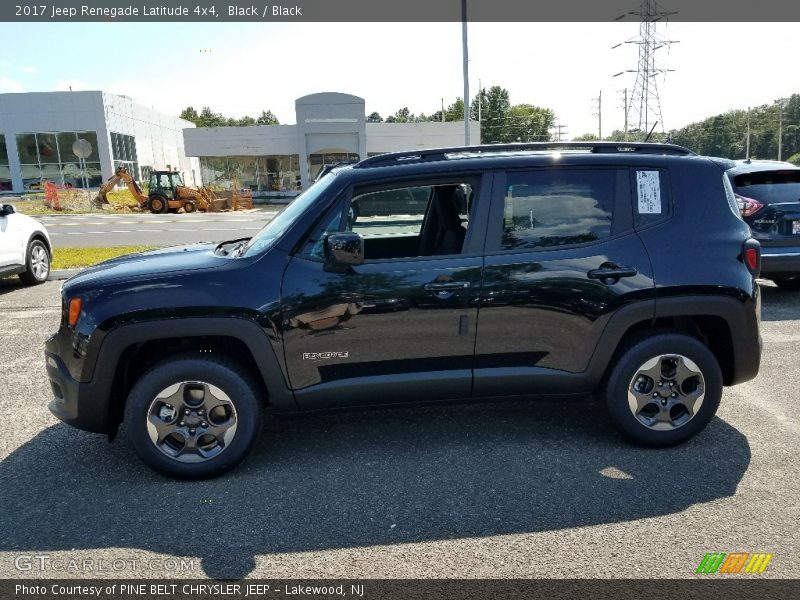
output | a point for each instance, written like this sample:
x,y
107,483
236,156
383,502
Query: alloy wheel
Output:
x,y
191,421
666,392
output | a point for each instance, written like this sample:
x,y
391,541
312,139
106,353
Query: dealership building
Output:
x,y
41,133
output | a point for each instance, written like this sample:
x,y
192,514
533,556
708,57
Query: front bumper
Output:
x,y
79,404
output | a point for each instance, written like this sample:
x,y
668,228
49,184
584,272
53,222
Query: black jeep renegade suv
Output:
x,y
559,269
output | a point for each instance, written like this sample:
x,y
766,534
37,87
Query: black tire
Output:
x,y
158,204
37,262
788,284
189,207
627,366
225,375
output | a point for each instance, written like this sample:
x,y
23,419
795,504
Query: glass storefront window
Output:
x,y
48,150
91,137
3,150
275,173
49,157
65,141
26,147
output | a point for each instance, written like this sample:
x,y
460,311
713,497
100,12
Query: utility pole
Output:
x,y
480,100
559,131
442,110
780,128
466,70
599,115
747,151
624,108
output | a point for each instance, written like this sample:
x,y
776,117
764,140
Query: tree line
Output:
x,y
725,135
501,122
208,118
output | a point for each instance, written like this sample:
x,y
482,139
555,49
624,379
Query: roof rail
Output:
x,y
435,154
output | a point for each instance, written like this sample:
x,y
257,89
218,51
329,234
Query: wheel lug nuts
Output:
x,y
671,383
655,394
192,431
660,384
187,411
674,395
183,423
203,424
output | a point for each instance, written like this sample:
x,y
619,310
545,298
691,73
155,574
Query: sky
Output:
x,y
239,69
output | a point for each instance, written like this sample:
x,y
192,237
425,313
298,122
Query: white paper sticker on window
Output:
x,y
648,185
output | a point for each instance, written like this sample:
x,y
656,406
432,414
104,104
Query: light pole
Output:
x,y
466,70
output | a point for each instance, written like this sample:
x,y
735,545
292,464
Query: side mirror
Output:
x,y
345,249
6,209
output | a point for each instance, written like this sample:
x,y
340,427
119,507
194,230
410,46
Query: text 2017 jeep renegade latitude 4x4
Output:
x,y
618,269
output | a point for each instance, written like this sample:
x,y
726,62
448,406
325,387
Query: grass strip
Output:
x,y
75,258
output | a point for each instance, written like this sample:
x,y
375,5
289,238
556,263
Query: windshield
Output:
x,y
273,230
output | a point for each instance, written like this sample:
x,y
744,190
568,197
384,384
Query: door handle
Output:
x,y
445,286
608,272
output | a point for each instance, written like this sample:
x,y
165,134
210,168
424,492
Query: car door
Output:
x,y
401,326
561,257
11,248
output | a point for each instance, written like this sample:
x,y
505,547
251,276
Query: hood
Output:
x,y
153,263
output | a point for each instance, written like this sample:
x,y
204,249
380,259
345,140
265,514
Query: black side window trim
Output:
x,y
621,220
474,243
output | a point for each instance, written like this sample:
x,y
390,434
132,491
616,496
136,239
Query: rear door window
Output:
x,y
557,207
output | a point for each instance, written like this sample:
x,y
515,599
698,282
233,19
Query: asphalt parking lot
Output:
x,y
518,489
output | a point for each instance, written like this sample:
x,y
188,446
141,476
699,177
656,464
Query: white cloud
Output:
x,y
10,85
30,69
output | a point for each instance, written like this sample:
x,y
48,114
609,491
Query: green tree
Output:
x,y
587,137
454,112
401,116
495,116
267,118
528,123
189,114
374,117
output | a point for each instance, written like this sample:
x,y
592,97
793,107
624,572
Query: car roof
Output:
x,y
740,167
478,158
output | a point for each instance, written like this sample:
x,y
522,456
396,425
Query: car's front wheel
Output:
x,y
37,261
192,417
664,389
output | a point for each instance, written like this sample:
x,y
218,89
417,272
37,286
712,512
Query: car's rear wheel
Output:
x,y
789,284
664,389
37,261
193,418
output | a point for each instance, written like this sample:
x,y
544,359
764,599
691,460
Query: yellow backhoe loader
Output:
x,y
166,192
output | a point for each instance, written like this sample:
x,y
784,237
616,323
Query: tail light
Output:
x,y
751,256
748,206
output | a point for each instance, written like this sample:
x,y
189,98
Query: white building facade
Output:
x,y
331,129
39,131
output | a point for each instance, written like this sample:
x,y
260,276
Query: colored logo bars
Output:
x,y
736,562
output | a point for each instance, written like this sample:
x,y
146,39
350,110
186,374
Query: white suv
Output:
x,y
25,247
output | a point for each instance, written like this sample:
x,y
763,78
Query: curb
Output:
x,y
62,274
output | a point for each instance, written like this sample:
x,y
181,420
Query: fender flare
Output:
x,y
117,340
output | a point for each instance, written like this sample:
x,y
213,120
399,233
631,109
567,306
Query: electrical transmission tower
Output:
x,y
644,104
